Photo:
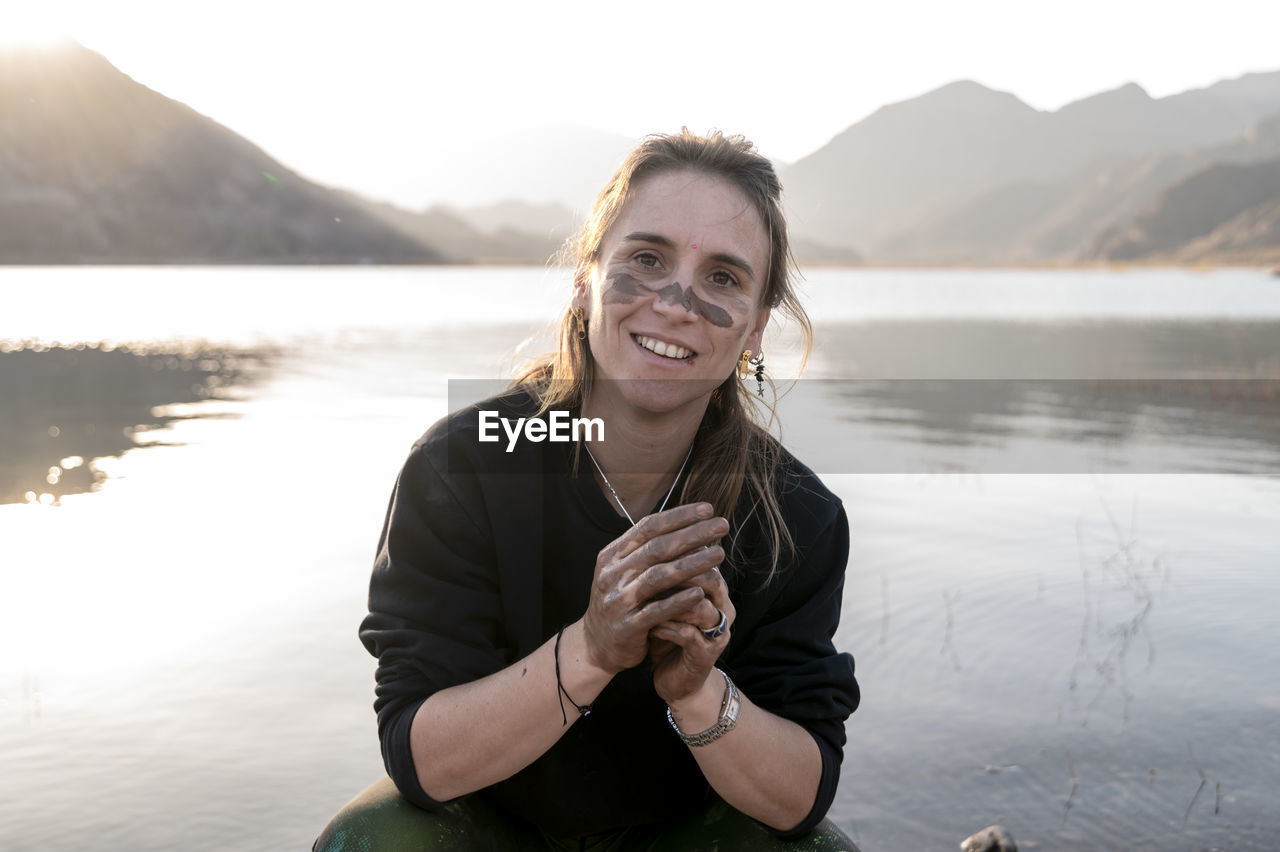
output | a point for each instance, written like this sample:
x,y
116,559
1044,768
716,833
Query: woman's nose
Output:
x,y
674,299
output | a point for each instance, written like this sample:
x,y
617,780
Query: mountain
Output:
x,y
553,220
1230,206
458,238
883,173
965,174
1038,221
96,168
1251,237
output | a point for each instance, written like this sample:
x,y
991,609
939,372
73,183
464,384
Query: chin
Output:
x,y
664,396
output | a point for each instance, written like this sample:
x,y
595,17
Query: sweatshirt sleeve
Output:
x,y
788,663
435,614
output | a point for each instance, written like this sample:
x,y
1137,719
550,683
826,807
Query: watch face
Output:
x,y
731,711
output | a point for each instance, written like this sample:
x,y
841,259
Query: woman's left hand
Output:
x,y
682,655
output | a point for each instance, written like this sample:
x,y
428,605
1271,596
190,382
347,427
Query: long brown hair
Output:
x,y
734,450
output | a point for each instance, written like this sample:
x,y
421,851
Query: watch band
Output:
x,y
729,707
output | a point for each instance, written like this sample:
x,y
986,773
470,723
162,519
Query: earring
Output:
x,y
758,363
580,322
742,363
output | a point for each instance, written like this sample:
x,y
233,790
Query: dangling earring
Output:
x,y
742,363
758,363
580,322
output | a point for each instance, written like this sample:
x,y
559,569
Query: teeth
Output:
x,y
678,353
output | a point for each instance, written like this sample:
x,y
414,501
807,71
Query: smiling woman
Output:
x,y
553,672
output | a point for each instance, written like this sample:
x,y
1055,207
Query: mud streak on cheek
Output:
x,y
624,288
714,314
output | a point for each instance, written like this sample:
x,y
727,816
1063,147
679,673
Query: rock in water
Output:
x,y
993,838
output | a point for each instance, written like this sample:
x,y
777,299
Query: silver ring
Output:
x,y
719,630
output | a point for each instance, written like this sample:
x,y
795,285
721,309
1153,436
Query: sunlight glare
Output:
x,y
31,26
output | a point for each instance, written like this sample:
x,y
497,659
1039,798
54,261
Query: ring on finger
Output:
x,y
719,630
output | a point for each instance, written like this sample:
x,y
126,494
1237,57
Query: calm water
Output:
x,y
1082,654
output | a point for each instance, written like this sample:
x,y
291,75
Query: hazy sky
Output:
x,y
354,94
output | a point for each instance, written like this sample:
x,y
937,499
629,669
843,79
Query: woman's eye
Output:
x,y
722,279
647,259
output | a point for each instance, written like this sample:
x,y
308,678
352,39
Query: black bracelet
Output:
x,y
583,709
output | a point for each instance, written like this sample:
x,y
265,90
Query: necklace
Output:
x,y
618,499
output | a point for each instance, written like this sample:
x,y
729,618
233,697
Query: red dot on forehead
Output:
x,y
693,245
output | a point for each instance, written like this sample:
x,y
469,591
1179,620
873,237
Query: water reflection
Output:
x,y
1043,397
61,408
1078,654
1056,426
138,627
993,349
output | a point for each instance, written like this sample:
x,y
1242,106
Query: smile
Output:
x,y
666,350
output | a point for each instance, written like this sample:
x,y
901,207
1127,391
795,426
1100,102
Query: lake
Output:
x,y
1062,490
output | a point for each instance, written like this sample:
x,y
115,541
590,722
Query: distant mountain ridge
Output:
x,y
465,240
96,168
965,174
1230,196
1032,221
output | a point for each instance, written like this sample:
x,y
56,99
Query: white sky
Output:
x,y
352,94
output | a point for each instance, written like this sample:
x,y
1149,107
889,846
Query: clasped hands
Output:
x,y
656,590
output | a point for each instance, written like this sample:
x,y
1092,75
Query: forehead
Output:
x,y
690,208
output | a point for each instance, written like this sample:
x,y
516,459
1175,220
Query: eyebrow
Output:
x,y
719,256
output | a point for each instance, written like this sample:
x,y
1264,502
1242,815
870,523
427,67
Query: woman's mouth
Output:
x,y
666,350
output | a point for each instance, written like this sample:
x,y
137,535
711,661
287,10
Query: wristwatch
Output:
x,y
730,705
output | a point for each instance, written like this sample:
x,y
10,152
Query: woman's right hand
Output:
x,y
638,580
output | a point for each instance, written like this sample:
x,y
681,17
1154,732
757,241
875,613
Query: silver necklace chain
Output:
x,y
618,499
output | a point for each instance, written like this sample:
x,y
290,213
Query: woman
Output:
x,y
622,642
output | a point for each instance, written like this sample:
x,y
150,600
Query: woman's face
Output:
x,y
675,296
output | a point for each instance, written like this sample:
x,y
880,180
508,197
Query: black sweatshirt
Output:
x,y
459,591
